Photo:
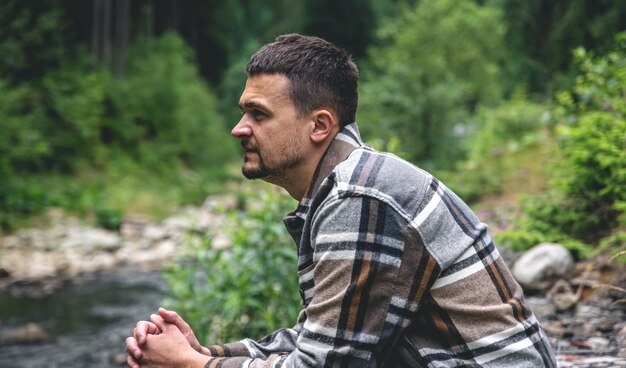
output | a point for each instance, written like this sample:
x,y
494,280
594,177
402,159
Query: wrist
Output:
x,y
205,351
196,360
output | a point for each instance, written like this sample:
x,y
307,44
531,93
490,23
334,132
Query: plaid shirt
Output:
x,y
395,271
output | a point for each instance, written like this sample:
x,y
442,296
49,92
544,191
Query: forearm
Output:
x,y
280,342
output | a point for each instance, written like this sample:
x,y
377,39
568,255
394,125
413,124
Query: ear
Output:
x,y
324,125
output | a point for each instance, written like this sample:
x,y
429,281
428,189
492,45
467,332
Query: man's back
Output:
x,y
395,268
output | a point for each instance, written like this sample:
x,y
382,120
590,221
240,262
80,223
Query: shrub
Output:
x,y
434,64
248,289
162,111
587,197
507,139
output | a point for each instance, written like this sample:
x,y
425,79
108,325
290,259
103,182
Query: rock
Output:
x,y
154,232
553,328
562,295
588,329
90,240
119,359
542,265
30,333
621,334
587,312
598,343
542,308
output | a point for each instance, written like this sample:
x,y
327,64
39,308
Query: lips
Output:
x,y
249,148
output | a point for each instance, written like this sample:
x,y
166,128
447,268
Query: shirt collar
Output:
x,y
347,140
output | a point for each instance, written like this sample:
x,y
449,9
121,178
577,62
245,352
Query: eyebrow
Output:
x,y
253,105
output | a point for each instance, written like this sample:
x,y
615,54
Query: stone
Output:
x,y
154,232
541,307
539,267
553,328
30,333
563,296
598,343
588,329
90,239
133,226
119,359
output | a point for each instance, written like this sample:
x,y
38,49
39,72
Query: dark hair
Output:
x,y
320,74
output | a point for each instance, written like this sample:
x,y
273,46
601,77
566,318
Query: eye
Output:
x,y
257,115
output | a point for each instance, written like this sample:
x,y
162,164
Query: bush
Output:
x,y
587,197
434,64
507,139
162,111
248,289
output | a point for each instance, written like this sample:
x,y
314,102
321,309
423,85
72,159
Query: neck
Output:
x,y
298,180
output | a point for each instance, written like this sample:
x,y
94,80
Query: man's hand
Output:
x,y
174,318
134,344
170,348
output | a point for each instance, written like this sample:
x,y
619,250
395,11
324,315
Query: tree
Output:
x,y
434,65
542,33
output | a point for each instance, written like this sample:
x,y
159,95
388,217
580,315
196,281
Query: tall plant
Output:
x,y
248,289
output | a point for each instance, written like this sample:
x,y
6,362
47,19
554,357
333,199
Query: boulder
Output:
x,y
539,267
30,333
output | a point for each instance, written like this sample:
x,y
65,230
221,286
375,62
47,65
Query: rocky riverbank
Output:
x,y
37,261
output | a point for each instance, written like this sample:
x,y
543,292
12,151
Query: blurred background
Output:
x,y
120,185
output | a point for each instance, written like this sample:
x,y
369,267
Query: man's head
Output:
x,y
319,73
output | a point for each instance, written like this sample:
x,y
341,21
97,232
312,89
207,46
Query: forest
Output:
x,y
117,107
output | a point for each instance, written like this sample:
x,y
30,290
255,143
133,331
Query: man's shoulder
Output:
x,y
385,176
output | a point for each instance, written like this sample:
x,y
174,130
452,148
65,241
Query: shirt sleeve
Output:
x,y
365,284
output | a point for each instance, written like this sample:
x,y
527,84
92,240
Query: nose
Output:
x,y
241,129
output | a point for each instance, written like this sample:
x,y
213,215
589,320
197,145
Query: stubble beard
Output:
x,y
292,157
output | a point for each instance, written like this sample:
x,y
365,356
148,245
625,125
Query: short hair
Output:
x,y
320,74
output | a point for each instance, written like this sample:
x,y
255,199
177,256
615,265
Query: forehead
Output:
x,y
271,90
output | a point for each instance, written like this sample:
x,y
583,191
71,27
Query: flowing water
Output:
x,y
88,318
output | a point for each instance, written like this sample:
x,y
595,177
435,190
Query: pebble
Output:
x,y
30,333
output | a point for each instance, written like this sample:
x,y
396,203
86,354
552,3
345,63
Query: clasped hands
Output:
x,y
165,341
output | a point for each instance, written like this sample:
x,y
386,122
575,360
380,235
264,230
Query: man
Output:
x,y
394,269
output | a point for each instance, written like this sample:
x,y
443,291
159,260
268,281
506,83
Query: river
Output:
x,y
89,318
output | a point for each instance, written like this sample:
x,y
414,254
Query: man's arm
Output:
x,y
365,287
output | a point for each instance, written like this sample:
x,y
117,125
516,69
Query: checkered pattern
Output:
x,y
395,271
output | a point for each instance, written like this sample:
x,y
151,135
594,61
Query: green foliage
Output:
x,y
435,63
247,289
163,112
31,39
78,118
542,33
23,143
108,218
616,244
588,193
506,137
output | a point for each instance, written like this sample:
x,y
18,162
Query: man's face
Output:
x,y
269,130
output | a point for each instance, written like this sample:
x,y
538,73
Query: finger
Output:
x,y
131,362
142,329
173,317
159,322
133,348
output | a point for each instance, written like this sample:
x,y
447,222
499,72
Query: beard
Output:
x,y
290,157
255,172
